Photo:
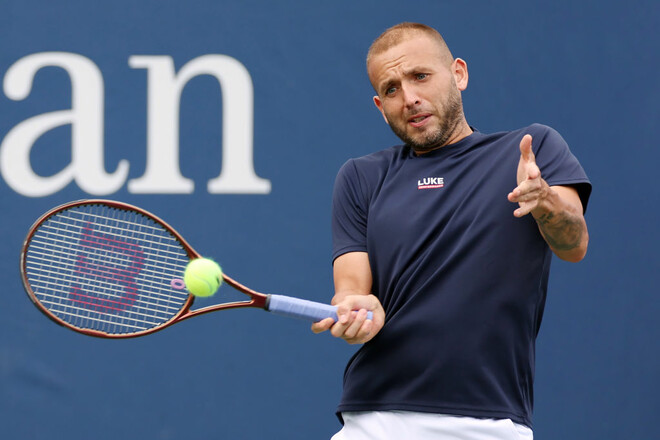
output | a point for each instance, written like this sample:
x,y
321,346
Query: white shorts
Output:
x,y
400,425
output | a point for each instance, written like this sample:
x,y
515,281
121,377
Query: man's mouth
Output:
x,y
418,120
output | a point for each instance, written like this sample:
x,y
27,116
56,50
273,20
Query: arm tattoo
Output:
x,y
562,232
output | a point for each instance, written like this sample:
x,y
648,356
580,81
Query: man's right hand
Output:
x,y
352,324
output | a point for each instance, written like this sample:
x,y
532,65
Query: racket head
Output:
x,y
106,268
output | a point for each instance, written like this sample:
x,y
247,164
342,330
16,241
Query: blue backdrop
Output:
x,y
278,89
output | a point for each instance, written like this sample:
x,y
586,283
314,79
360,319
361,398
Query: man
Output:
x,y
425,235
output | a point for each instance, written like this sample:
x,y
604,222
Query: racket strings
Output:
x,y
106,269
56,248
60,287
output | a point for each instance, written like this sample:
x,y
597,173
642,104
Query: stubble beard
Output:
x,y
450,120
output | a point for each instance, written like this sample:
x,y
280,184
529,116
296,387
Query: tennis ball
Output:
x,y
202,277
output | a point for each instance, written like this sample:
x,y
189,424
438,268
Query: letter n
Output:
x,y
163,173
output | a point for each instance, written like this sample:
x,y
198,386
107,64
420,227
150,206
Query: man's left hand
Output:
x,y
531,189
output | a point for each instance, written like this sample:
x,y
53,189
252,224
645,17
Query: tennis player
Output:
x,y
448,240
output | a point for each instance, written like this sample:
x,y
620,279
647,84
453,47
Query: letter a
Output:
x,y
86,119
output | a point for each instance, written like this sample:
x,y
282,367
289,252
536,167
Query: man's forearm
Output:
x,y
563,226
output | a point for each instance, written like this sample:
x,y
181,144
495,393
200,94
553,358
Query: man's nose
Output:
x,y
410,96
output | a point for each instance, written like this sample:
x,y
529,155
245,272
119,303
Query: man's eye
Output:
x,y
390,90
421,76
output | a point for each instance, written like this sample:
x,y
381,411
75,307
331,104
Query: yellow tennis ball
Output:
x,y
202,277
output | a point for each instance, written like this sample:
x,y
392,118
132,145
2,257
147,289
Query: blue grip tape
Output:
x,y
302,309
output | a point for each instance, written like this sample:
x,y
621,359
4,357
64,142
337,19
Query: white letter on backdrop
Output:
x,y
86,119
163,173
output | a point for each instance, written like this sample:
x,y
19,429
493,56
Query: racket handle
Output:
x,y
302,309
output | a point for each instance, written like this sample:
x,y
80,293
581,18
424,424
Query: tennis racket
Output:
x,y
113,270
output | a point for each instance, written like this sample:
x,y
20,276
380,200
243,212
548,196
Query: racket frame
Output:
x,y
257,299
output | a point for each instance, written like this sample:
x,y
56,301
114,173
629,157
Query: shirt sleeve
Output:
x,y
349,213
557,164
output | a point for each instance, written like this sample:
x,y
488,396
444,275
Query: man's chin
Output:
x,y
420,141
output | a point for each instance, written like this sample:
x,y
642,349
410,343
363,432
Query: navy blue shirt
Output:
x,y
463,282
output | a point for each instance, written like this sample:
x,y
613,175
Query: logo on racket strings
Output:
x,y
107,267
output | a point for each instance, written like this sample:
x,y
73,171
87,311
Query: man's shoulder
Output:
x,y
533,129
376,160
385,155
541,134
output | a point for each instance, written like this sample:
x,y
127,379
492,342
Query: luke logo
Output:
x,y
430,182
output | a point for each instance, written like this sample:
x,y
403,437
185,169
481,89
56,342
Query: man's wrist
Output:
x,y
547,207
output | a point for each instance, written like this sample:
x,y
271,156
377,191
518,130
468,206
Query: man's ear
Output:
x,y
379,105
460,71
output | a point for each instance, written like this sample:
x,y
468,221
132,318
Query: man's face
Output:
x,y
418,93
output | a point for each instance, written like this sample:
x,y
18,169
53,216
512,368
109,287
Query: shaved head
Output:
x,y
402,32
